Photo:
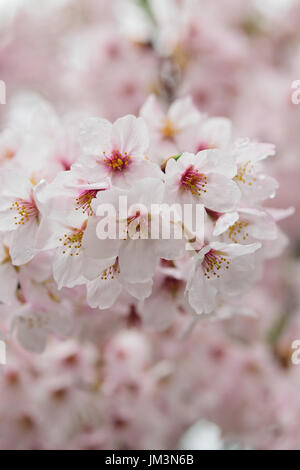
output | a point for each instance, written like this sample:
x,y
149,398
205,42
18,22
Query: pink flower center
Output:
x,y
24,211
213,264
117,161
83,201
194,181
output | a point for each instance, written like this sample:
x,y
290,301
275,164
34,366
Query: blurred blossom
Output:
x,y
138,343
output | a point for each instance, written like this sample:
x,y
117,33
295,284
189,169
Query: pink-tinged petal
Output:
x,y
139,290
49,233
60,321
92,267
146,191
172,168
216,161
22,248
234,249
141,169
222,194
170,249
257,188
111,197
7,219
67,269
158,312
216,132
224,222
130,134
246,150
103,293
137,260
240,276
31,332
152,113
14,184
95,138
8,283
261,225
280,214
58,203
96,248
183,113
202,295
186,159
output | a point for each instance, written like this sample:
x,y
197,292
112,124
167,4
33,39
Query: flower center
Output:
x,y
194,181
245,174
238,231
214,261
117,161
168,129
24,211
83,201
111,272
8,154
72,241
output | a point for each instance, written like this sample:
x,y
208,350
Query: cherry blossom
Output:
x,y
20,214
128,341
220,270
117,151
205,178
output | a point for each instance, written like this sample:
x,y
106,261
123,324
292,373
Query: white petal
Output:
x,y
103,293
8,283
202,295
224,222
67,269
152,113
183,113
235,249
130,134
139,290
222,194
216,132
95,137
137,260
23,240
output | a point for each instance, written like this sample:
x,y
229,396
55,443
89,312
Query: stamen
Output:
x,y
117,161
111,272
194,181
236,232
25,211
83,201
72,241
213,262
245,174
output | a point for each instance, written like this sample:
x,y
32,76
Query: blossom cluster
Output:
x,y
56,176
143,357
